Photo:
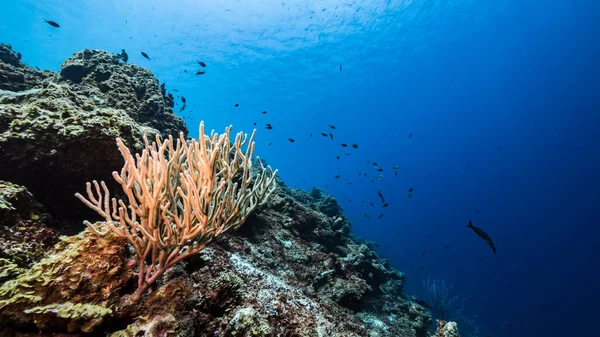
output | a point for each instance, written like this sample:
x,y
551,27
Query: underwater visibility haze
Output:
x,y
457,142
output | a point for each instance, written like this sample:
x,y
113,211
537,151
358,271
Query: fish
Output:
x,y
175,90
310,134
379,170
395,173
182,99
447,247
375,164
410,190
447,257
355,146
395,167
366,216
324,134
264,112
423,254
338,157
344,145
52,23
330,135
380,195
385,205
332,126
236,105
372,204
202,64
182,108
483,235
476,211
19,56
291,140
340,67
410,196
410,135
145,55
199,73
254,123
337,176
270,144
269,127
123,56
380,216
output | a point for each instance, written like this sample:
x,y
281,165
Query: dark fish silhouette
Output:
x,y
199,73
269,127
344,145
380,170
202,64
380,216
337,176
355,146
410,136
395,173
410,190
52,23
236,105
332,126
385,205
324,134
340,67
330,135
381,196
264,112
483,235
291,140
183,99
338,157
122,56
145,55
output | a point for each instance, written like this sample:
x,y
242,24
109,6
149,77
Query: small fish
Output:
x,y
366,216
483,235
202,64
447,257
410,136
395,167
254,123
381,196
145,55
476,211
410,196
338,157
372,204
182,108
52,23
330,135
182,99
380,216
347,153
447,247
175,90
236,105
270,144
19,56
324,134
395,173
375,164
310,134
264,112
344,145
355,146
385,205
269,127
340,67
199,73
410,190
291,140
337,176
332,126
423,254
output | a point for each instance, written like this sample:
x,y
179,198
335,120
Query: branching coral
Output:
x,y
180,197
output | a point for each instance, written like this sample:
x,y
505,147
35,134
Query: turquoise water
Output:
x,y
501,99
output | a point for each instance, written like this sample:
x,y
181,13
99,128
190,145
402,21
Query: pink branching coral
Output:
x,y
180,198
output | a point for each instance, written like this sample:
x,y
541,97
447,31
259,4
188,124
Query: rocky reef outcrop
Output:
x,y
58,130
293,269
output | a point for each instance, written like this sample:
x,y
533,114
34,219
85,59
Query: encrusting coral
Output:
x,y
181,197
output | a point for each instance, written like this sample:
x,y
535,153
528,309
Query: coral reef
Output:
x,y
58,130
293,268
446,329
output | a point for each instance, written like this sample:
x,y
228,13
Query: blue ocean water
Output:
x,y
490,110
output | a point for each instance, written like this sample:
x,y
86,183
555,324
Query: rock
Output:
x,y
16,75
24,232
446,329
58,133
